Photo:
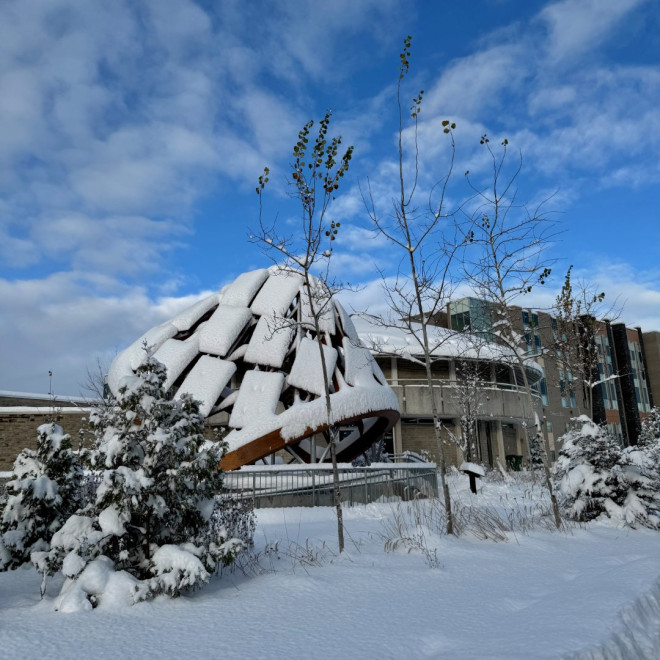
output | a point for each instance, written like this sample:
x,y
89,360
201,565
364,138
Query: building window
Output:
x,y
460,321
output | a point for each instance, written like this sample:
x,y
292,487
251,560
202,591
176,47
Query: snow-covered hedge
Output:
x,y
42,493
153,515
594,476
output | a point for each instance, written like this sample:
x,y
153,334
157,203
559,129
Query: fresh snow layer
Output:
x,y
591,593
176,355
257,398
307,370
133,356
347,324
349,402
223,328
206,381
359,364
243,289
189,316
323,308
270,342
277,293
406,342
466,466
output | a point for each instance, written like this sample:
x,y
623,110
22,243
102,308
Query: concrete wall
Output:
x,y
493,403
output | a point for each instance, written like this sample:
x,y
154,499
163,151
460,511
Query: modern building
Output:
x,y
621,395
651,342
470,377
249,355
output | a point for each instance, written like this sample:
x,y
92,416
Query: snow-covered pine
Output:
x,y
595,476
650,431
155,512
582,473
636,484
536,451
42,493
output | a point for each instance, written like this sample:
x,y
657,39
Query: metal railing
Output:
x,y
312,485
455,384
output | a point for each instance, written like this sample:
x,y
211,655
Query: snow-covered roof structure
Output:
x,y
251,351
402,341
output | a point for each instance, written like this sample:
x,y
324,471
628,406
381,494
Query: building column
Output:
x,y
498,445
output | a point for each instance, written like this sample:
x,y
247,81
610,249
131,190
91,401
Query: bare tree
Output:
x,y
504,258
315,175
579,311
468,394
422,284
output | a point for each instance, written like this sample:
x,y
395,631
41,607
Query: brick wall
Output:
x,y
421,437
19,430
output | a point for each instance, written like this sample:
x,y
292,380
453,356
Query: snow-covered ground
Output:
x,y
587,592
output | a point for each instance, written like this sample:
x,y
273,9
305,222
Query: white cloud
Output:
x,y
576,26
64,322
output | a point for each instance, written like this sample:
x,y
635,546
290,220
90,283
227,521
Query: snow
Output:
x,y
270,342
307,370
593,592
54,397
178,567
347,324
466,466
257,398
188,317
359,364
277,294
111,521
349,402
322,306
176,355
206,381
243,289
114,591
42,410
223,328
403,342
133,356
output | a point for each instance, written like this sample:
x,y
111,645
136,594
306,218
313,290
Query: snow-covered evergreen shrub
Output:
x,y
154,513
594,476
650,431
536,451
636,484
42,493
582,473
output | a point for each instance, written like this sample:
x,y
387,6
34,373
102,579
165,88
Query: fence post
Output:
x,y
314,497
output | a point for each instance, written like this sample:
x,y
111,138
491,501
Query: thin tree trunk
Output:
x,y
332,432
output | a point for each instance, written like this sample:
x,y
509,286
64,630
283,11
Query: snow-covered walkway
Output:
x,y
540,595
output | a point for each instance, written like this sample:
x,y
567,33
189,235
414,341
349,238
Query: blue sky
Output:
x,y
132,135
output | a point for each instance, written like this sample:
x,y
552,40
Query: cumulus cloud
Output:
x,y
576,26
118,119
64,322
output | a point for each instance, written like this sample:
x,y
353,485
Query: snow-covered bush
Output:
x,y
42,493
594,476
636,482
536,452
650,431
155,513
582,473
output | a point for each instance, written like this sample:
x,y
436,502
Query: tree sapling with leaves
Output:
x,y
315,176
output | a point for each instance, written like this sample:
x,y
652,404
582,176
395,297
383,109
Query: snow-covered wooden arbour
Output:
x,y
249,354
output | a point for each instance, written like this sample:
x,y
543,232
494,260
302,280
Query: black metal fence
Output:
x,y
312,485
